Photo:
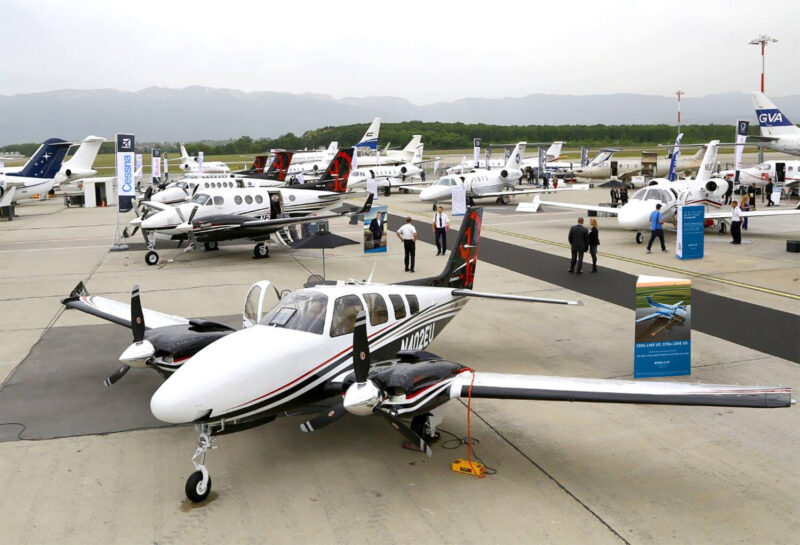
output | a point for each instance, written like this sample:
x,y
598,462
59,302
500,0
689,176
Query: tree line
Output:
x,y
443,136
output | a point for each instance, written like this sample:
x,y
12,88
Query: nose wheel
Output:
x,y
151,257
260,250
639,238
198,485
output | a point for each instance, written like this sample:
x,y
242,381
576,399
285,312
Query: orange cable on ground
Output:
x,y
469,429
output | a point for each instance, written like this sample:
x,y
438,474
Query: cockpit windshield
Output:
x,y
764,166
182,185
200,198
639,195
302,311
445,182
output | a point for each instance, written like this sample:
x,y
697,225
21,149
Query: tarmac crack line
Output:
x,y
549,476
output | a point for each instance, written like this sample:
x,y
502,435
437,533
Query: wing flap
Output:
x,y
508,386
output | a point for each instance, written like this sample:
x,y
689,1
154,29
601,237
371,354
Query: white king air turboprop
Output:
x,y
359,347
703,190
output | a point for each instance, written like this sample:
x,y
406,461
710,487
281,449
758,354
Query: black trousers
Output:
x,y
410,248
593,253
657,233
577,258
736,232
441,235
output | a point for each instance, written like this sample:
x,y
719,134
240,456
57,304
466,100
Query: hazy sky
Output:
x,y
423,51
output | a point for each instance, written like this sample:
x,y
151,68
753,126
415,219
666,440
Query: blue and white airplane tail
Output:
x,y
515,159
370,138
46,162
673,163
654,304
709,160
773,122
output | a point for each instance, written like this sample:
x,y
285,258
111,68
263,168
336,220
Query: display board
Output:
x,y
662,342
372,187
155,165
689,244
375,238
459,200
126,183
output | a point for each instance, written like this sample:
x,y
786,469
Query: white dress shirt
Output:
x,y
440,220
736,215
407,231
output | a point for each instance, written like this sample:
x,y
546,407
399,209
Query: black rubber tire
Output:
x,y
434,207
192,483
151,258
260,251
387,192
639,238
210,246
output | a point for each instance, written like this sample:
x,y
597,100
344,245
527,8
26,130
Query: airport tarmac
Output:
x,y
566,472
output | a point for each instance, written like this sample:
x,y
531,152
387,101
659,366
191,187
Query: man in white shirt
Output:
x,y
441,223
408,234
736,223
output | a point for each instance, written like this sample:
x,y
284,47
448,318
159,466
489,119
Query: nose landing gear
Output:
x,y
198,485
639,237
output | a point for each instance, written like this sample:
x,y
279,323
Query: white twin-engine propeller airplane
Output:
x,y
491,184
359,348
230,212
703,190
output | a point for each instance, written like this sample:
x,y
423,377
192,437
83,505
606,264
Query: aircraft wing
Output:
x,y
534,206
154,205
576,187
752,213
116,311
648,317
508,386
755,139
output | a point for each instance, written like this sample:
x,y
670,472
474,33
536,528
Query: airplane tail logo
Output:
x,y
46,162
773,122
280,166
370,138
338,171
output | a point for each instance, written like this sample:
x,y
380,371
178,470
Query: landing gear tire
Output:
x,y
196,491
260,250
434,207
639,238
151,258
210,246
403,190
387,192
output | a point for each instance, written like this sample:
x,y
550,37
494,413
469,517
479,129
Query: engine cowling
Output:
x,y
403,169
504,173
716,188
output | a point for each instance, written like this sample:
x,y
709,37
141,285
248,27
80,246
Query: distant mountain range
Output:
x,y
196,113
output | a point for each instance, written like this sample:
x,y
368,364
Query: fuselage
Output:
x,y
386,176
476,184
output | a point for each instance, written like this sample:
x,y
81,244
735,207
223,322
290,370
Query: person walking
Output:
x,y
441,223
656,228
613,197
736,223
728,193
578,243
751,193
594,242
768,191
408,234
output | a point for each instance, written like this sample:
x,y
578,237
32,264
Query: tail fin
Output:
x,y
338,172
332,147
46,162
515,159
459,272
280,166
417,159
412,146
602,157
184,156
259,164
370,138
709,159
773,122
87,152
554,151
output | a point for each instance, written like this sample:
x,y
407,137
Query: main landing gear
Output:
x,y
198,485
260,250
639,237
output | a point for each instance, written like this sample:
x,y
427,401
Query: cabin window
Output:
x,y
237,199
378,311
398,305
218,200
301,311
201,199
259,199
413,304
345,311
248,199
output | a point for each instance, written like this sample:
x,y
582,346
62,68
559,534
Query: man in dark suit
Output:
x,y
579,243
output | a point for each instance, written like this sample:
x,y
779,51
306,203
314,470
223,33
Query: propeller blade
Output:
x,y
361,359
192,213
323,419
196,187
137,316
148,193
410,435
118,374
180,214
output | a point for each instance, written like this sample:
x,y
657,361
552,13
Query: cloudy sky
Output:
x,y
422,51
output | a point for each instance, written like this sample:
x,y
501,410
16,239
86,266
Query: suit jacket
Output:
x,y
579,237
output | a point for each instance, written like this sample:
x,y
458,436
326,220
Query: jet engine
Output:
x,y
715,189
504,174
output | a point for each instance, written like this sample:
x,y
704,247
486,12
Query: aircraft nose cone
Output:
x,y
632,217
171,405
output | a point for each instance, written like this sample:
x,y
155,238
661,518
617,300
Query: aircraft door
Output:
x,y
649,164
275,205
260,298
780,172
613,168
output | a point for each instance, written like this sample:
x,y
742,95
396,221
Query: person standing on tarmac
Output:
x,y
441,223
578,243
594,242
736,223
768,192
408,234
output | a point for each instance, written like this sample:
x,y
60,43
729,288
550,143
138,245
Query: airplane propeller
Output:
x,y
364,397
140,350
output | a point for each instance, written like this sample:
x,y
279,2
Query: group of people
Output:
x,y
582,240
408,234
619,195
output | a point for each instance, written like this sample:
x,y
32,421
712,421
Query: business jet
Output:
x,y
390,157
315,156
192,164
223,212
360,347
702,190
552,153
605,167
389,177
39,175
777,132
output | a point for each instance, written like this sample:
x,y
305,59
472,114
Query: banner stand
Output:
x,y
126,184
119,244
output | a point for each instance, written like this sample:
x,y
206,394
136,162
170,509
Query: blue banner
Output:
x,y
663,345
691,232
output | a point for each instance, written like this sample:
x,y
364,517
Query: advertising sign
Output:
x,y
375,229
476,143
156,165
663,329
741,135
166,166
691,232
584,155
459,200
542,161
139,165
488,158
372,187
673,163
200,155
126,183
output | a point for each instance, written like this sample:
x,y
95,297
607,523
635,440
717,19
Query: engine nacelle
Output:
x,y
403,169
717,188
504,173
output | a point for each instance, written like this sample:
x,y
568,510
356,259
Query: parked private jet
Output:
x,y
191,163
390,157
388,177
39,175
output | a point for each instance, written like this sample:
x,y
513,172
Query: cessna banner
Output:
x,y
359,348
635,214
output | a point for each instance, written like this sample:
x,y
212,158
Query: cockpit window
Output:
x,y
302,311
345,311
639,195
378,311
182,185
763,166
200,198
445,181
